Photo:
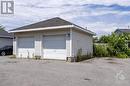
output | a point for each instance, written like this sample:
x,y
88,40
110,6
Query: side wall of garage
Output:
x,y
81,40
38,38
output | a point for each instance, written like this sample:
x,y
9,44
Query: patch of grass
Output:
x,y
12,57
83,57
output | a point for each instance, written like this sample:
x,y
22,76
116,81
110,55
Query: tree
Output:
x,y
104,39
117,44
1,27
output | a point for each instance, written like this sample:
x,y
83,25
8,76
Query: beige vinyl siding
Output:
x,y
74,40
38,38
81,40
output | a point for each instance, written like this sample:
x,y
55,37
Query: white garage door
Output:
x,y
26,47
54,47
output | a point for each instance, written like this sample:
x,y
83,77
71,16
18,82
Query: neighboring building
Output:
x,y
120,31
52,39
6,39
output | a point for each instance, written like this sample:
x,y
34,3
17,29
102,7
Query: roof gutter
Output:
x,y
55,27
39,29
85,30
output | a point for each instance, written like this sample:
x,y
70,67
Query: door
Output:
x,y
54,47
26,47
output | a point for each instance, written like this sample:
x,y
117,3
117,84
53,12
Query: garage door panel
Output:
x,y
54,47
26,47
55,54
54,42
27,42
25,53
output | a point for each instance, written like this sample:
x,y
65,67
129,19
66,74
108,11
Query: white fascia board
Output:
x,y
46,28
85,30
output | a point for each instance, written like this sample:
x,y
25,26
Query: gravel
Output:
x,y
93,72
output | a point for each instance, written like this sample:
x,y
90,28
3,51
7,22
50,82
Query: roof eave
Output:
x,y
54,27
39,29
85,30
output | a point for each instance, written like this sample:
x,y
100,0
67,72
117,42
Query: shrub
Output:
x,y
83,57
111,51
122,55
104,39
128,52
117,45
37,57
101,51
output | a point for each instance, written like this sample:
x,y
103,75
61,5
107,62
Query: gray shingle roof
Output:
x,y
123,30
47,23
50,23
5,34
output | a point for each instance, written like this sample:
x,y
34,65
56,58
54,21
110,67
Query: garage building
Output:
x,y
54,38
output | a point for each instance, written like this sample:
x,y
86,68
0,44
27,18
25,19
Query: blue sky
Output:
x,y
100,16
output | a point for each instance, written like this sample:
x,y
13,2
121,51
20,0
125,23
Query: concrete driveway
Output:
x,y
94,72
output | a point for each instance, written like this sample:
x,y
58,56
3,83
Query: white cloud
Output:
x,y
102,28
29,11
53,3
51,8
107,2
